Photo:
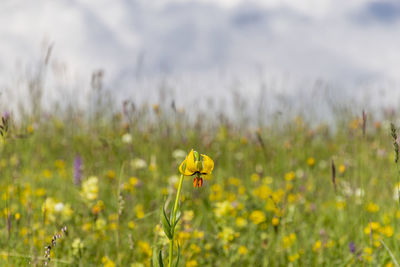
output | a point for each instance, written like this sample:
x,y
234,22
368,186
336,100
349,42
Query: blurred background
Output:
x,y
299,56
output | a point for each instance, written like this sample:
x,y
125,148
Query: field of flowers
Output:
x,y
88,191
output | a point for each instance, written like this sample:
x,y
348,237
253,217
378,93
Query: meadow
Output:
x,y
285,193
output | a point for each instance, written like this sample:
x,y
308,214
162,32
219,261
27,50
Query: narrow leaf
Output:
x,y
166,224
154,259
179,254
177,218
160,260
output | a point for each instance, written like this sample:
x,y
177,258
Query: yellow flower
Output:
x,y
139,211
191,263
342,168
372,226
275,221
131,224
134,181
368,251
289,240
241,222
242,250
294,257
227,234
188,215
255,177
257,217
310,161
30,129
195,163
317,246
387,230
90,188
223,209
145,248
290,176
195,248
107,262
40,192
372,207
77,246
110,174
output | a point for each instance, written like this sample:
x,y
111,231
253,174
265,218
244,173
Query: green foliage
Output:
x,y
271,200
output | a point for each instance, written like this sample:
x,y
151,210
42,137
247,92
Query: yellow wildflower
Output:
x,y
60,164
40,192
342,168
77,246
90,188
290,176
317,246
47,174
234,181
188,215
263,192
371,226
257,217
30,128
195,248
294,257
139,211
111,174
191,263
267,180
198,234
310,161
372,207
131,224
107,262
222,209
134,181
367,254
289,240
195,163
227,234
242,250
145,248
255,177
388,231
241,222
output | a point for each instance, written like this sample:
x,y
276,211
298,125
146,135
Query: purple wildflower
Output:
x,y
6,115
352,247
77,170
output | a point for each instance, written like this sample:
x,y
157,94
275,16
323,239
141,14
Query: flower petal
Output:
x,y
182,167
184,170
190,163
208,165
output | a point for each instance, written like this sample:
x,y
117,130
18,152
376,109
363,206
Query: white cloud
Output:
x,y
197,40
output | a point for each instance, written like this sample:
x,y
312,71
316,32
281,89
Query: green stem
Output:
x,y
174,211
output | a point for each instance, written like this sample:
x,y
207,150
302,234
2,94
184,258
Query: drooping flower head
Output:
x,y
196,164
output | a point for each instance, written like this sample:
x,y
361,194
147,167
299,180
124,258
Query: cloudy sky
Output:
x,y
204,45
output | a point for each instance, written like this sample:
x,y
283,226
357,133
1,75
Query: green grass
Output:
x,y
227,222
